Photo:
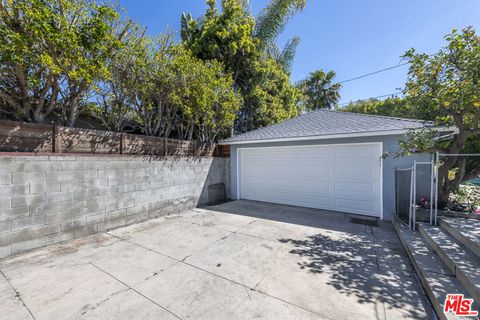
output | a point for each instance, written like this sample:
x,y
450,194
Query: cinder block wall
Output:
x,y
50,199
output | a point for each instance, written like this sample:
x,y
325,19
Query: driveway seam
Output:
x,y
382,285
219,276
18,295
134,290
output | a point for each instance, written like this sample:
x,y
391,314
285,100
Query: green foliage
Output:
x,y
62,57
285,56
229,37
51,54
162,87
468,194
114,106
225,36
447,84
208,103
272,99
319,91
446,88
391,107
270,23
273,18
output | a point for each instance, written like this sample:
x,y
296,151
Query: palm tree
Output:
x,y
271,22
319,90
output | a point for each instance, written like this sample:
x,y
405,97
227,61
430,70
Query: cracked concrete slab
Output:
x,y
209,218
130,263
175,238
239,260
11,303
63,292
261,306
126,305
193,293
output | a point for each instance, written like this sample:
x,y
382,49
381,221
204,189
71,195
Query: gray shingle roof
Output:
x,y
327,122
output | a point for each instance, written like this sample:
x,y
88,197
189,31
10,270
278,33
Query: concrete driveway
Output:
x,y
239,260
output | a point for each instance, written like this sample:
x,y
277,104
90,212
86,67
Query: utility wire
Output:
x,y
374,72
382,33
377,97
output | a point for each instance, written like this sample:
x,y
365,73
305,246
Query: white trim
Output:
x,y
238,174
381,180
332,136
313,145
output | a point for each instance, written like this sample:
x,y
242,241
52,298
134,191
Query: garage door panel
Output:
x,y
314,201
313,166
255,195
354,187
355,206
282,162
313,186
338,178
254,165
353,152
253,179
354,197
280,153
281,197
279,184
315,152
354,172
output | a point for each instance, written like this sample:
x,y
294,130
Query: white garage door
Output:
x,y
343,178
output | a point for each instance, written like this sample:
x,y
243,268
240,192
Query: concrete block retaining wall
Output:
x,y
50,199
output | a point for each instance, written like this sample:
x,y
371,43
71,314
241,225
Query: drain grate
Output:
x,y
367,222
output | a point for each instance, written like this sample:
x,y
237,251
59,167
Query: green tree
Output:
x,y
391,107
272,98
229,37
319,90
267,26
446,87
270,23
114,97
167,91
52,52
443,88
207,100
154,85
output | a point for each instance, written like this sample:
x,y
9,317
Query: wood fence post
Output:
x,y
56,140
121,143
165,146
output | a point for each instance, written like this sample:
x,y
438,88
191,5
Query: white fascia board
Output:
x,y
335,136
322,137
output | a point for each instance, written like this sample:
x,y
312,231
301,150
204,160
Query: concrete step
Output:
x,y
436,278
461,262
466,231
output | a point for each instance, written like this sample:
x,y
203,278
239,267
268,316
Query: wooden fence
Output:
x,y
39,138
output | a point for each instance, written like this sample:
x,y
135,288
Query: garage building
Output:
x,y
323,159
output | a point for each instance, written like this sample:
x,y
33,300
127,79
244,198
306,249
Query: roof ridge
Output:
x,y
376,116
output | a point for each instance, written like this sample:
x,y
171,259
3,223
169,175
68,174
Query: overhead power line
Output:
x,y
377,97
374,72
383,32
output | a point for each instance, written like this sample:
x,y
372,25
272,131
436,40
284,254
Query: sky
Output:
x,y
350,37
